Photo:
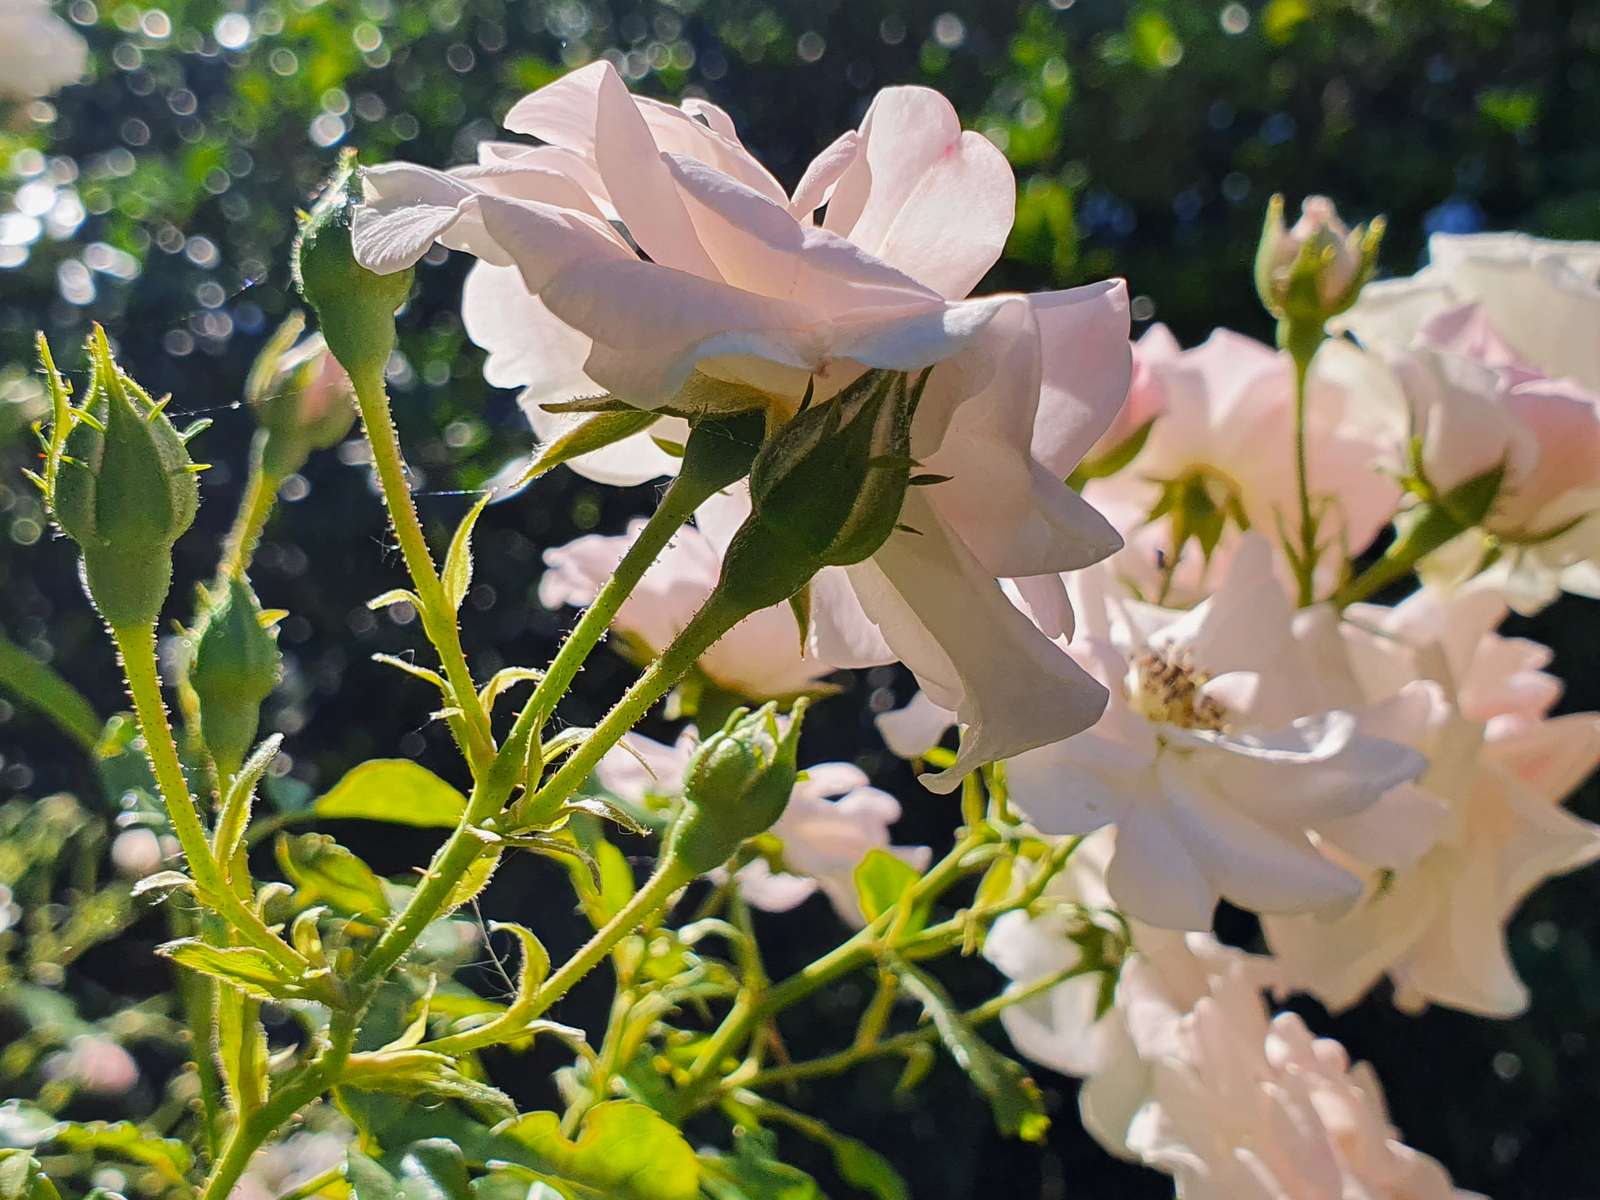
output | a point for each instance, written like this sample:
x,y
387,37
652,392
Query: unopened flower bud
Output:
x,y
122,485
1316,269
233,667
302,397
355,307
736,786
825,490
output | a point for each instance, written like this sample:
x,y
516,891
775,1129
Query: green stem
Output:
x,y
670,875
682,497
848,956
699,635
138,649
260,494
494,788
255,1128
1305,569
39,687
832,1064
438,617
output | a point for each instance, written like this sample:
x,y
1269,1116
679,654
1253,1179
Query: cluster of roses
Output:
x,y
1128,575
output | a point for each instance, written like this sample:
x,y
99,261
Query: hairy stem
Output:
x,y
493,789
260,495
138,650
438,618
669,876
698,636
678,503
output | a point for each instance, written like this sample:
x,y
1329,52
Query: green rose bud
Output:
x,y
302,398
121,484
1315,270
233,667
736,786
825,490
355,307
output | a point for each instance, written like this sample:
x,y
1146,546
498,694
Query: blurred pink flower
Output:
x,y
94,1064
1222,451
760,658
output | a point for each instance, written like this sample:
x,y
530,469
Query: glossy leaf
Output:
x,y
881,879
324,872
624,1151
250,970
395,790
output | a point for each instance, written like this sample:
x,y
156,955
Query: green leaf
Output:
x,y
593,433
857,1163
625,1151
409,1072
504,679
125,1140
881,879
22,1178
39,686
754,1172
861,1166
457,573
395,596
250,970
324,872
606,811
395,790
616,883
750,1177
1013,1096
237,804
475,878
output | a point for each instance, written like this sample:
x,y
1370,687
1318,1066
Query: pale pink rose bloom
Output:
x,y
94,1064
760,658
1060,1029
1249,1107
1227,430
833,820
1539,295
1147,392
1439,678
1219,758
743,286
1478,405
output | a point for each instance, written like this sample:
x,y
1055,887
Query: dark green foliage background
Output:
x,y
1146,137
